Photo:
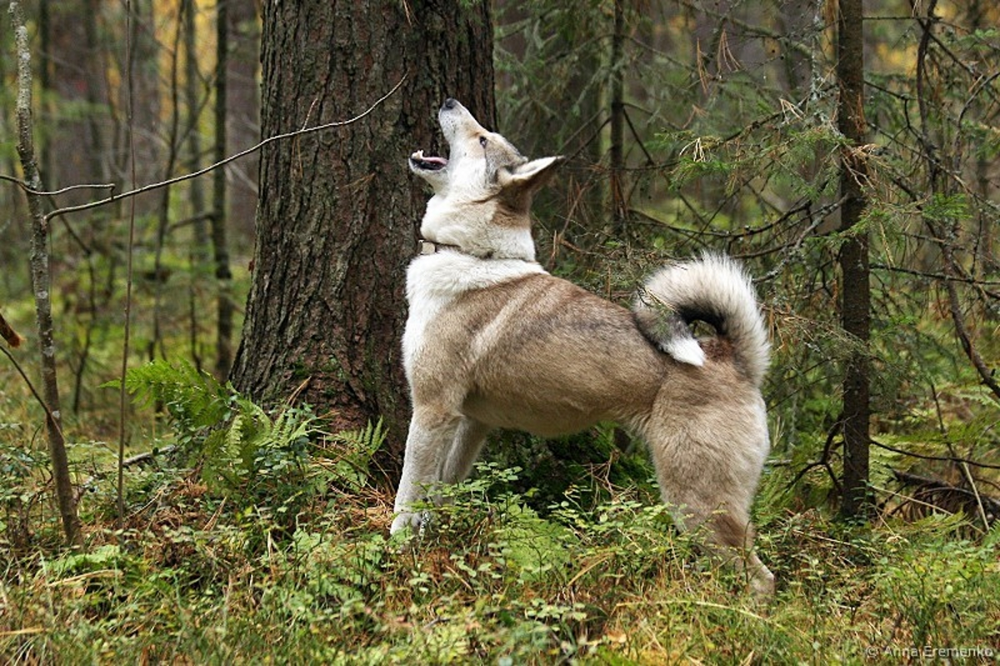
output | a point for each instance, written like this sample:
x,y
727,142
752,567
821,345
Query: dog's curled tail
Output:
x,y
715,290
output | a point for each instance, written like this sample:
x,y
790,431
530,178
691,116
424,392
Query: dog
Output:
x,y
494,341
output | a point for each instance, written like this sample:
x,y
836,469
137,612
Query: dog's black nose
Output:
x,y
450,103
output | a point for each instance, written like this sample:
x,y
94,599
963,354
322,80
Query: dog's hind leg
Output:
x,y
708,473
428,442
464,450
732,535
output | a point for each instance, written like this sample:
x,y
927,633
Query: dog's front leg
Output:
x,y
464,450
426,445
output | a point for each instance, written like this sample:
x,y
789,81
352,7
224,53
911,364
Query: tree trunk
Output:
x,y
242,113
339,212
72,63
856,297
41,285
220,242
619,206
199,248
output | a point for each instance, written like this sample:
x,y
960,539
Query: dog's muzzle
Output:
x,y
427,162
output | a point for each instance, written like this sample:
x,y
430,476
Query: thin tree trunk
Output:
x,y
40,282
160,273
199,247
242,114
619,207
225,308
856,296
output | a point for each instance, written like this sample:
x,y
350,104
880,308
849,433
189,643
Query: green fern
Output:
x,y
263,460
354,450
193,400
242,449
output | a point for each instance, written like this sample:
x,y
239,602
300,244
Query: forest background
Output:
x,y
217,523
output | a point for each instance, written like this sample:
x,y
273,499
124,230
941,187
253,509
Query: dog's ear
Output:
x,y
529,176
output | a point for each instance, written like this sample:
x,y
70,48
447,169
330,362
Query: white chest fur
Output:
x,y
434,281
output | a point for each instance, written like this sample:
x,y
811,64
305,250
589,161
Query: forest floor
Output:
x,y
295,565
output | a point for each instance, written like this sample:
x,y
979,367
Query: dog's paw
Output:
x,y
762,584
408,523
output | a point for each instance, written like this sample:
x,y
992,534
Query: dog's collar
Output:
x,y
425,246
433,247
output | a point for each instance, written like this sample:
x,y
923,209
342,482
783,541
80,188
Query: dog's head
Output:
x,y
485,182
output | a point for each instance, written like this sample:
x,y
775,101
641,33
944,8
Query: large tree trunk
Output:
x,y
856,291
339,211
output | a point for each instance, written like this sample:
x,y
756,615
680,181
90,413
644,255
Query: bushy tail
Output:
x,y
713,289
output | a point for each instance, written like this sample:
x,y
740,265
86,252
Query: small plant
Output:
x,y
262,461
351,452
937,593
194,401
19,491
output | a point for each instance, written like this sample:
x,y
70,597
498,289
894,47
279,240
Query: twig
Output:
x,y
824,460
27,189
41,401
979,499
231,158
9,334
951,459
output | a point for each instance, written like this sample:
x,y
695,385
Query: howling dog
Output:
x,y
495,341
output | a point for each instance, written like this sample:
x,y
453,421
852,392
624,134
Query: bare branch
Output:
x,y
9,334
231,158
45,193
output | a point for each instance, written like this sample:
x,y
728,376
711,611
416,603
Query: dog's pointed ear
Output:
x,y
530,176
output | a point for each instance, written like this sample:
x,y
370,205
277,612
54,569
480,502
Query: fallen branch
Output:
x,y
148,456
935,494
922,456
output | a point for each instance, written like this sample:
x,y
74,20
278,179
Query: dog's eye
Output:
x,y
483,141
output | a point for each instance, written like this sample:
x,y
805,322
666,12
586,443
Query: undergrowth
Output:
x,y
257,537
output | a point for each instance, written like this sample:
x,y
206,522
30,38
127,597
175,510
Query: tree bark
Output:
x,y
339,212
856,296
619,207
224,308
41,284
242,113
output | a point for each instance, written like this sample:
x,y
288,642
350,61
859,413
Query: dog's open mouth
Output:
x,y
427,162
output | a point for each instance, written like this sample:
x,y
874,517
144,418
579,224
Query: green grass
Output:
x,y
193,578
261,539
